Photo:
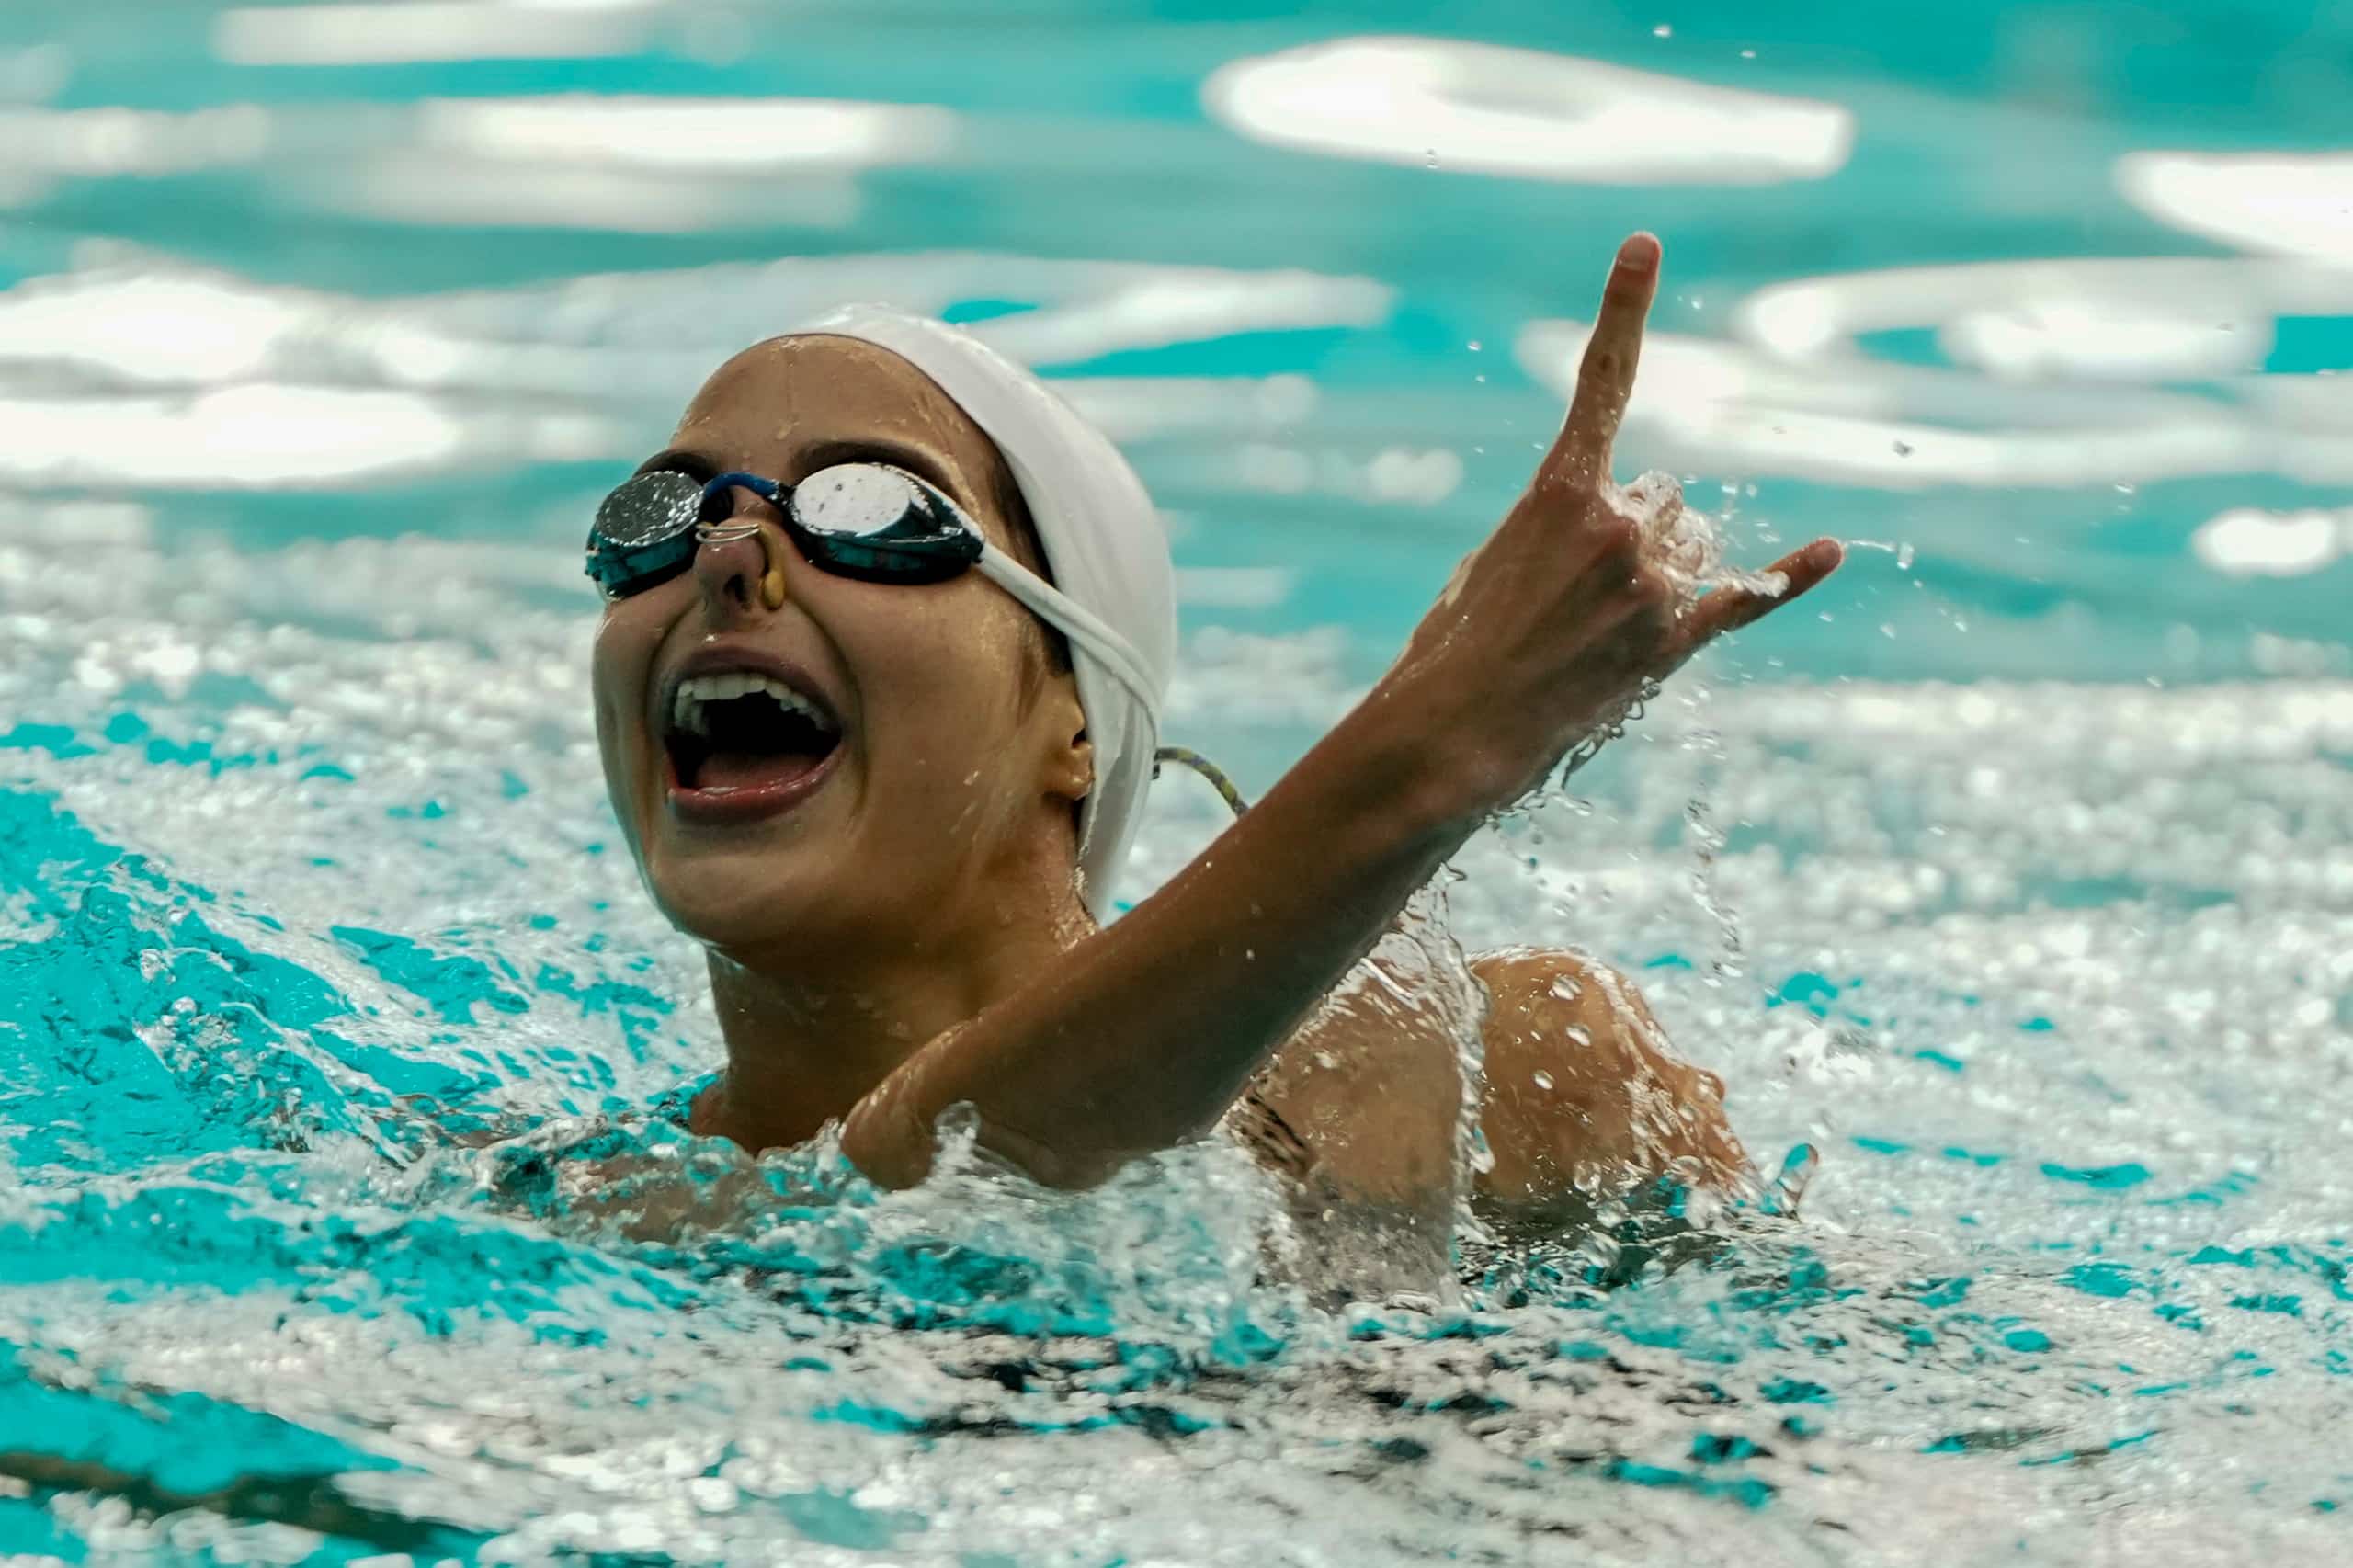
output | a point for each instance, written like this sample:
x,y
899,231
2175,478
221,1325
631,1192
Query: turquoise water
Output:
x,y
2015,871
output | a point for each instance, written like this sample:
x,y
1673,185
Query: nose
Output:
x,y
735,574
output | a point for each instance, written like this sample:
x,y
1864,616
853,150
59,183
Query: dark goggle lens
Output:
x,y
644,532
649,509
874,522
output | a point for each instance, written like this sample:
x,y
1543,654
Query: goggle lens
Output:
x,y
863,520
859,501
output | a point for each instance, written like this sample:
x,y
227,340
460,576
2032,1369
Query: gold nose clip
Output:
x,y
772,579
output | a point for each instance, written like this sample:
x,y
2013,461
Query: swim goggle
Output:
x,y
867,520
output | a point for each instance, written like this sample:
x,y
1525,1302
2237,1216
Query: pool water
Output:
x,y
2013,872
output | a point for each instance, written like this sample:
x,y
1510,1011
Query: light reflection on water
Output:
x,y
2028,903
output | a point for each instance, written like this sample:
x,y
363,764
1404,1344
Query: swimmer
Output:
x,y
887,628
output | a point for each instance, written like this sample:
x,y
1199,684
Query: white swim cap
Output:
x,y
1114,592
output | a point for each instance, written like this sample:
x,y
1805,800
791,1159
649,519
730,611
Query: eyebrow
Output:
x,y
824,454
679,461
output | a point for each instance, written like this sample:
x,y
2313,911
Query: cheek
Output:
x,y
620,660
939,678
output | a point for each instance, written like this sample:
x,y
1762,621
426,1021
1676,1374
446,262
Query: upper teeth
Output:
x,y
687,707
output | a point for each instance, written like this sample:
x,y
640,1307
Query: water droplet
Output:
x,y
1748,54
1903,449
1540,1078
1473,346
1904,558
1661,30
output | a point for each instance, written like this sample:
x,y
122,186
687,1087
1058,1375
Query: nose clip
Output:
x,y
735,529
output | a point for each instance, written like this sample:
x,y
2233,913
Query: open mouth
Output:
x,y
744,742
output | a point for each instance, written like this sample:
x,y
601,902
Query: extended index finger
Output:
x,y
1606,376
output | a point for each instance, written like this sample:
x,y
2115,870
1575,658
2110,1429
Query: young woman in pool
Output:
x,y
867,755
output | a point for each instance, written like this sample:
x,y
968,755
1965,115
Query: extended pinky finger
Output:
x,y
1730,608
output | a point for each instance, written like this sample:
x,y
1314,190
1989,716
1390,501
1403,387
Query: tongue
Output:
x,y
752,770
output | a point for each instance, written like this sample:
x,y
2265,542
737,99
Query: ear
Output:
x,y
1069,756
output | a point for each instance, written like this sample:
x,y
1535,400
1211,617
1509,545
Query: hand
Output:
x,y
1550,629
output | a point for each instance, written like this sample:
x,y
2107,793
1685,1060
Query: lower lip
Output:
x,y
744,803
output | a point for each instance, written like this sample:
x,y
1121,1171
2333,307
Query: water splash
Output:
x,y
1685,544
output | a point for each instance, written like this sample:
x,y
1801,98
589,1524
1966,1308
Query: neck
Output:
x,y
804,1047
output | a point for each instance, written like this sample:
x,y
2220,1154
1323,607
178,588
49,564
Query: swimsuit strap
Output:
x,y
1186,757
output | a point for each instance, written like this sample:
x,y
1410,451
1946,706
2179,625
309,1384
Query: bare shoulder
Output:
x,y
1584,1093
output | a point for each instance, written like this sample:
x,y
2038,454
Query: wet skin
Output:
x,y
929,869
907,935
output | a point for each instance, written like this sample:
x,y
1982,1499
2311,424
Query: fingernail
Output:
x,y
1640,253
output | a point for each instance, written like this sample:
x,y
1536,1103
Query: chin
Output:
x,y
724,905
787,908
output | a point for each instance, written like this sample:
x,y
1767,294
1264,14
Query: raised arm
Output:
x,y
1152,1027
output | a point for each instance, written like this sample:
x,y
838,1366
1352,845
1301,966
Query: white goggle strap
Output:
x,y
1073,620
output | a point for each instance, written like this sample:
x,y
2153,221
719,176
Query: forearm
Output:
x,y
1155,1024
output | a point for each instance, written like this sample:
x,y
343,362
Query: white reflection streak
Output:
x,y
1488,110
652,333
2055,349
106,141
246,437
1233,587
148,328
1392,476
2250,542
726,134
572,352
2136,318
636,163
1848,420
416,188
2294,204
424,31
1187,305
269,434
